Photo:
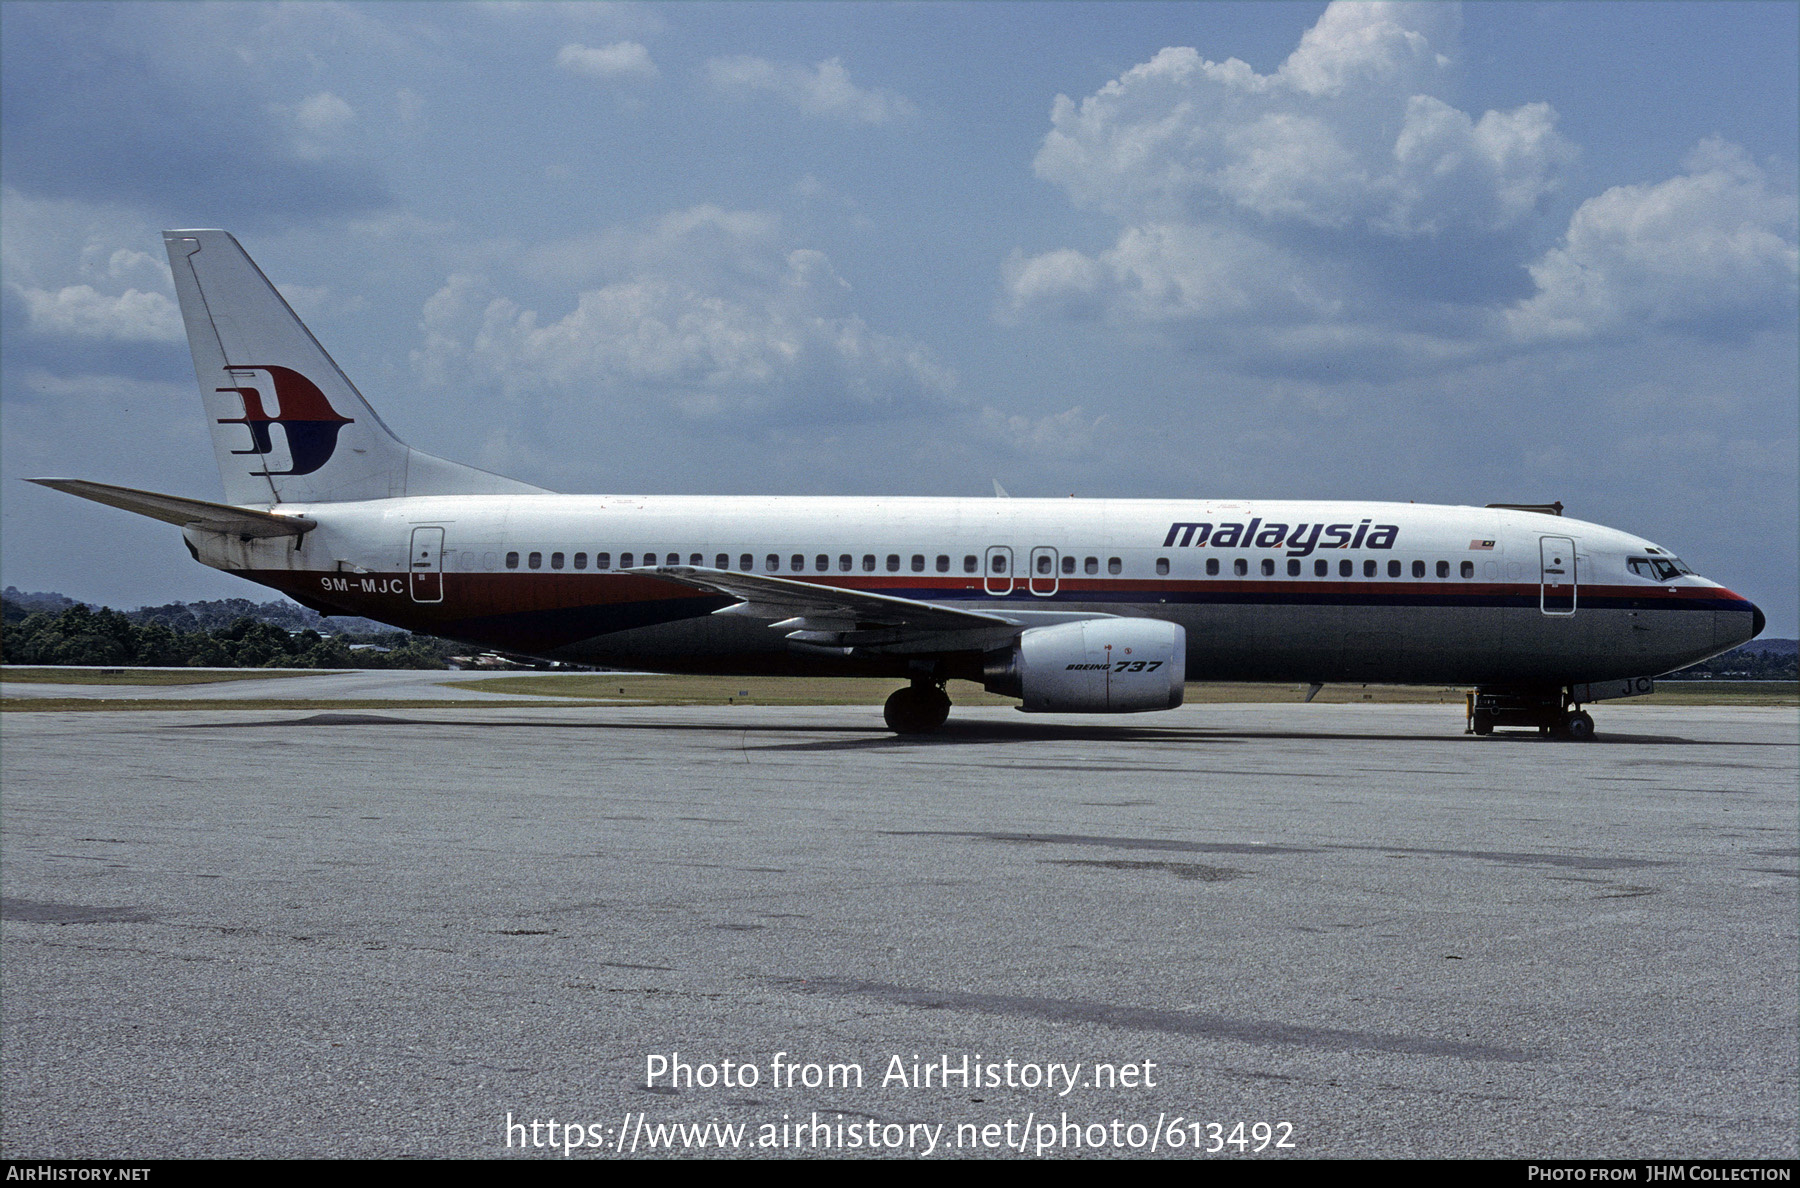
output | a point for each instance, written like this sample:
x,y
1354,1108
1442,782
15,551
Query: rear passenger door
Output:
x,y
425,567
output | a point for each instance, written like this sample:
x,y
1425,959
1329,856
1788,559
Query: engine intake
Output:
x,y
1095,666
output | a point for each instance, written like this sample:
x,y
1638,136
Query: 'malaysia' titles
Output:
x,y
1300,540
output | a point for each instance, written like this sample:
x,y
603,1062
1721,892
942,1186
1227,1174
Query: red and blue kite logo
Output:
x,y
305,416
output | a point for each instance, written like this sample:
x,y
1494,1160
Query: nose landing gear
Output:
x,y
1551,711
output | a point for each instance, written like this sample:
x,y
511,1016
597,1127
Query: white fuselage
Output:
x,y
1266,590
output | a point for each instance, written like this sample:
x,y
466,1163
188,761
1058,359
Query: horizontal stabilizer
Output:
x,y
188,513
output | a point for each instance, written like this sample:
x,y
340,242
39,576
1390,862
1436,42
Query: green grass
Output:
x,y
1720,693
147,676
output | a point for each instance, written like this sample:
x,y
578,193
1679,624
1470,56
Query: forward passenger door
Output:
x,y
1557,589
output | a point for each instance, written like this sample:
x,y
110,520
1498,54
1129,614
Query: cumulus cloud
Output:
x,y
824,90
81,271
623,60
1340,211
1345,135
705,310
1067,434
1300,210
131,316
1175,272
318,123
323,114
1713,249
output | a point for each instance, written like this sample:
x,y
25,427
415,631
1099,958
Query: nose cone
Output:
x,y
1759,622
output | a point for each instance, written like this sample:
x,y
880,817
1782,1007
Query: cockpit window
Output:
x,y
1657,569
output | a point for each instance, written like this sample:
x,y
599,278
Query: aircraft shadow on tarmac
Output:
x,y
875,737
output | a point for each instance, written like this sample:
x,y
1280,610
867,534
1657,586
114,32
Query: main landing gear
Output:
x,y
1551,711
919,708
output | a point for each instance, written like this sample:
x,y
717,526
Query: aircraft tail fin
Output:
x,y
288,426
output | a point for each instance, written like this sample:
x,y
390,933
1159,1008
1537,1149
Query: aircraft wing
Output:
x,y
831,617
179,510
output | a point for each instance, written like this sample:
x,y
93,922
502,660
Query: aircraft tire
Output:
x,y
1482,722
916,709
1578,726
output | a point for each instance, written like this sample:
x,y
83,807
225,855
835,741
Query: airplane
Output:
x,y
1069,605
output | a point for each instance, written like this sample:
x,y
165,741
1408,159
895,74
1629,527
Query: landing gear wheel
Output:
x,y
916,709
1482,722
1578,726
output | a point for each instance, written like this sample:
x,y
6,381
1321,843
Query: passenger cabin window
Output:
x,y
649,559
893,563
536,561
1369,568
746,562
1293,567
1321,569
1240,567
1346,568
943,563
1468,569
868,562
696,561
1113,565
580,560
918,563
1443,569
799,565
624,561
1162,566
1043,564
1268,567
774,563
1091,565
971,564
844,563
822,563
601,560
997,563
722,561
556,560
1418,568
1212,567
512,560
1068,564
1393,569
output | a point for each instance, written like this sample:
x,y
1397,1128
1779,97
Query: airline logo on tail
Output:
x,y
306,418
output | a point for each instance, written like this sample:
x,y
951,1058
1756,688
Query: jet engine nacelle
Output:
x,y
1095,666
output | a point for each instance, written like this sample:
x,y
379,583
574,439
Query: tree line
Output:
x,y
84,635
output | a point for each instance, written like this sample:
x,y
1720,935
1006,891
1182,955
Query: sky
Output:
x,y
1490,253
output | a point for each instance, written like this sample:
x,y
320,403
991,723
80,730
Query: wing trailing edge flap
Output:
x,y
814,616
184,512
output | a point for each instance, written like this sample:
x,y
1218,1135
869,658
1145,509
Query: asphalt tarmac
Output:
x,y
402,684
1353,930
